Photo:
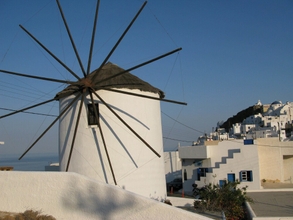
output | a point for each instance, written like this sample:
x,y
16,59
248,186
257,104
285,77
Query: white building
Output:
x,y
249,161
259,148
275,120
279,118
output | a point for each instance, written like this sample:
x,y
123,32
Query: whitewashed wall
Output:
x,y
275,159
73,196
247,159
267,158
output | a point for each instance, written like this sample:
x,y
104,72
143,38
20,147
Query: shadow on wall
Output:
x,y
173,175
102,201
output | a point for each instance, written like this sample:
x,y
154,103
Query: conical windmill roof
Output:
x,y
125,80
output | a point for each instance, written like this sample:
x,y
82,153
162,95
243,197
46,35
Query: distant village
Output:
x,y
270,120
254,146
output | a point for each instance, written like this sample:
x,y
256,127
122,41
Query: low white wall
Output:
x,y
73,196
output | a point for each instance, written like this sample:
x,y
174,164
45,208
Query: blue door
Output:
x,y
231,177
222,183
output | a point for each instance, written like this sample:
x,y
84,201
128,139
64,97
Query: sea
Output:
x,y
32,162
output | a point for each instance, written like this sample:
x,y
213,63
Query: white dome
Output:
x,y
276,103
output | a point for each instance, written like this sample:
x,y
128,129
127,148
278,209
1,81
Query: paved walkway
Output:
x,y
275,200
272,204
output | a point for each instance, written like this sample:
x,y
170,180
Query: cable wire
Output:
x,y
28,112
173,139
183,124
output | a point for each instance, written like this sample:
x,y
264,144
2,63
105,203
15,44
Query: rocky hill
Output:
x,y
240,116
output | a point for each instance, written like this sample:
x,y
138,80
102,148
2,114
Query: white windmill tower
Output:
x,y
109,123
123,158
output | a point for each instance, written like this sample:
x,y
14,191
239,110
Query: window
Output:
x,y
201,172
246,175
92,119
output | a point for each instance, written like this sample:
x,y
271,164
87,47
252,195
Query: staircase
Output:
x,y
209,172
231,152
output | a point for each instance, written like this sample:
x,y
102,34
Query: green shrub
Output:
x,y
167,201
228,198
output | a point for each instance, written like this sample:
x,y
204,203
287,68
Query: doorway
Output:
x,y
231,177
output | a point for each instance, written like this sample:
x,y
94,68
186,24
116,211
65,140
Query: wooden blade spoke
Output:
x,y
140,65
120,39
75,131
24,109
71,39
106,151
131,129
48,51
144,96
67,107
102,136
37,77
93,38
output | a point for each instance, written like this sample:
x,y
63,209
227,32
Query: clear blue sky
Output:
x,y
234,54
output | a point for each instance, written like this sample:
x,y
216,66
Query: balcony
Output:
x,y
194,152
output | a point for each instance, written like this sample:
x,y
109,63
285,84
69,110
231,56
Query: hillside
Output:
x,y
240,116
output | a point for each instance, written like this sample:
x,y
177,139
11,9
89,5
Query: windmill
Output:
x,y
109,121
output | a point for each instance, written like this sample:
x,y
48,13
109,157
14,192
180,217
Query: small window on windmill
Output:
x,y
92,119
